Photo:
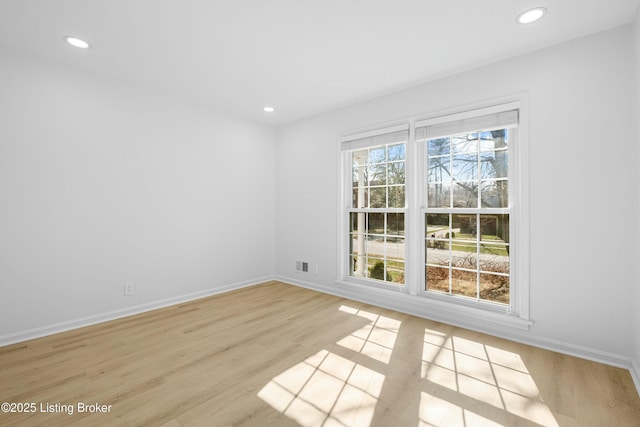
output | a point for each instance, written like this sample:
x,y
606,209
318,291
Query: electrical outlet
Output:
x,y
314,268
129,288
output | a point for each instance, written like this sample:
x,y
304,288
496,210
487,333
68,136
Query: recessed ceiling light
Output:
x,y
531,15
269,109
76,42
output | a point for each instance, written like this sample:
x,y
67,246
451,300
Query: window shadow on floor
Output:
x,y
397,369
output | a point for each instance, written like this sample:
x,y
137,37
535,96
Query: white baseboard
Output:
x,y
125,312
635,375
510,334
592,354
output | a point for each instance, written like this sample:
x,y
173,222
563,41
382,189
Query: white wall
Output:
x,y
582,252
636,121
102,183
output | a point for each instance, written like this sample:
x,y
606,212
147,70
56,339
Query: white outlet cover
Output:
x,y
129,288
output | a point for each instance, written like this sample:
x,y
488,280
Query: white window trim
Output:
x,y
411,295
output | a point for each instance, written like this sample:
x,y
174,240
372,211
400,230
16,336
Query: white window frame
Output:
x,y
345,205
413,296
483,119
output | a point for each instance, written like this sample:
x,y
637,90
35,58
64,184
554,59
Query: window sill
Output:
x,y
432,308
373,284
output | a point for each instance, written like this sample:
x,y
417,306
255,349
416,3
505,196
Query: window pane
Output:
x,y
359,158
377,155
395,248
378,197
377,174
439,169
494,228
357,222
494,258
465,241
360,198
358,266
357,244
438,236
465,195
357,237
464,258
358,179
465,167
377,270
495,194
375,246
494,165
437,252
436,224
437,279
464,227
395,269
396,152
494,140
353,222
397,196
438,147
439,195
490,249
375,223
464,283
494,288
464,143
396,173
395,224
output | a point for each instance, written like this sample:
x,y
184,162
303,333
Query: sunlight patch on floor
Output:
x,y
325,390
376,339
435,412
488,379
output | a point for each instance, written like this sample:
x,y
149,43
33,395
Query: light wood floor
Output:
x,y
278,355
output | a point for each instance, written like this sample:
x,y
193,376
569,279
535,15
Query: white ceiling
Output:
x,y
300,56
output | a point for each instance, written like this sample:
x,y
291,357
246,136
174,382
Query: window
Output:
x,y
454,183
468,212
467,215
377,206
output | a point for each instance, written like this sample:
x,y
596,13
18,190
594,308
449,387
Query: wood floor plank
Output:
x,y
279,355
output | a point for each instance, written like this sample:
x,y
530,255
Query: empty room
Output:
x,y
319,213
